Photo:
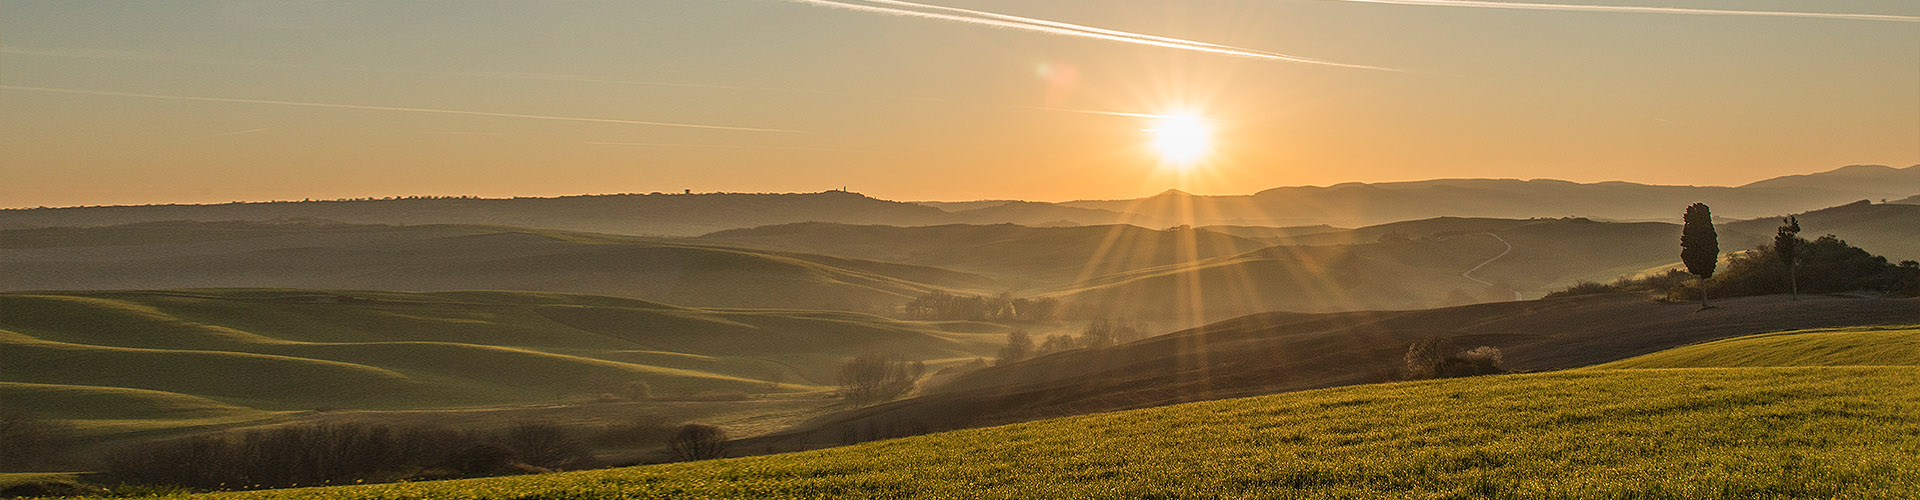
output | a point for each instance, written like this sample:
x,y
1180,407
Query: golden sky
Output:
x,y
214,101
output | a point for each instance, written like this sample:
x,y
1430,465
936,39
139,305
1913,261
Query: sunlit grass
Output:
x,y
1862,346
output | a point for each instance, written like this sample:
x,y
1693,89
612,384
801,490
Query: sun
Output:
x,y
1182,140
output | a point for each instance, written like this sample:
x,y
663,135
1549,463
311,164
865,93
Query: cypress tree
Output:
x,y
1786,244
1700,246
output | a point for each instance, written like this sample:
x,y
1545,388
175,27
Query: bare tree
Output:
x,y
700,442
874,377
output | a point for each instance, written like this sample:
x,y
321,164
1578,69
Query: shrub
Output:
x,y
699,442
1440,357
637,390
872,378
546,446
1585,288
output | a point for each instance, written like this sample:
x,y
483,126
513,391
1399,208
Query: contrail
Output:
x,y
721,146
390,108
239,132
891,7
1484,4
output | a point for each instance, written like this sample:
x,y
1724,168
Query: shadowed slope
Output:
x,y
1278,352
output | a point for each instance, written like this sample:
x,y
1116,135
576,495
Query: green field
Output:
x,y
1859,346
1717,433
115,362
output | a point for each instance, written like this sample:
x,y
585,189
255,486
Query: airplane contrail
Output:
x,y
893,7
388,108
721,146
1486,4
239,132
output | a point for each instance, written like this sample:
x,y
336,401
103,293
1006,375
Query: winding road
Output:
x,y
1469,273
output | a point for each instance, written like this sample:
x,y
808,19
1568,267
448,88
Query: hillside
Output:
x,y
1742,433
1281,352
442,257
1402,265
1028,256
122,361
1362,204
1889,346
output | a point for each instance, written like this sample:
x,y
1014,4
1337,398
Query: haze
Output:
x,y
214,101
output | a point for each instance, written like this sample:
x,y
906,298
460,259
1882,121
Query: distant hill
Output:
x,y
129,360
1888,229
1405,265
1279,352
1344,205
1361,204
632,214
1910,200
450,257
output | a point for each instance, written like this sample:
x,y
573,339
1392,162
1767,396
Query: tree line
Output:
x,y
1789,264
1004,308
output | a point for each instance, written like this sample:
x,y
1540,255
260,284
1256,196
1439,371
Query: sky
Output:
x,y
227,100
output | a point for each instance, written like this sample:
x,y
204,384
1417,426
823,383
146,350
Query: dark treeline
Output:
x,y
1097,335
356,453
1004,308
1824,265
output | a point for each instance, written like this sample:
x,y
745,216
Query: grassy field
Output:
x,y
117,362
1714,433
1857,346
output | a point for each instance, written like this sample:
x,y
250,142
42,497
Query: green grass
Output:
x,y
1853,346
1714,433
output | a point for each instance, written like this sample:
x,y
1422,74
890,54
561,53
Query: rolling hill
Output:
x,y
131,360
1029,256
1362,204
441,257
1281,352
1770,432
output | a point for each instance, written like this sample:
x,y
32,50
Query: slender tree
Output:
x,y
1786,244
1700,246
